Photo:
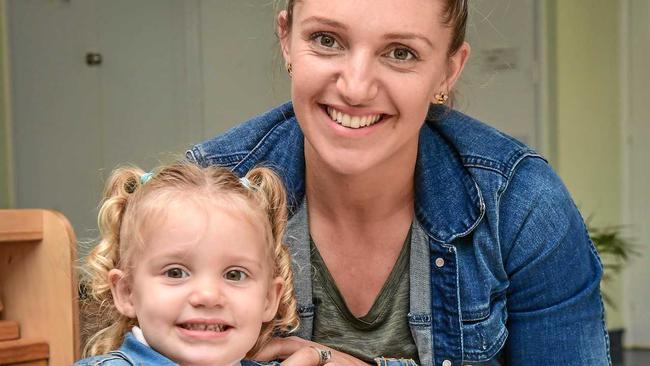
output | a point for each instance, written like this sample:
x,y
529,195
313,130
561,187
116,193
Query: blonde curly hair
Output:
x,y
127,201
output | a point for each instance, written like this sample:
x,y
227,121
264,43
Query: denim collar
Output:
x,y
448,205
138,353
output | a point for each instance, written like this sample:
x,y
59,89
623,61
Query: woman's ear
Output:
x,y
273,296
121,290
455,65
284,35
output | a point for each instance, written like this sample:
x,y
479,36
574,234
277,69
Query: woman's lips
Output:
x,y
350,121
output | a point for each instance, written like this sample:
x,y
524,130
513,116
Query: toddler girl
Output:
x,y
190,269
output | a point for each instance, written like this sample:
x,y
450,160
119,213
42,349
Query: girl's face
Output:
x,y
364,74
202,285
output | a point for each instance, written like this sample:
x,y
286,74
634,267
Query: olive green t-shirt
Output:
x,y
383,332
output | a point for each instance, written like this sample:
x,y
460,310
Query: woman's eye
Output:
x,y
235,275
401,54
325,40
176,273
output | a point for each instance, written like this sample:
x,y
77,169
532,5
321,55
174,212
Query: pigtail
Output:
x,y
272,196
268,186
108,324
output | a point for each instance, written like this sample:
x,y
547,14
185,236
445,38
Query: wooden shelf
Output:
x,y
21,226
9,330
32,363
21,350
38,288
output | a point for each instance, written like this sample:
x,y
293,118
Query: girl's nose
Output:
x,y
357,82
206,294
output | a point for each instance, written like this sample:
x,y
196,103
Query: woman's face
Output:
x,y
364,74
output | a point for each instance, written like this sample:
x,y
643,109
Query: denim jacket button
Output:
x,y
445,362
439,263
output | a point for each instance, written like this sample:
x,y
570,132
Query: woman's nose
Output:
x,y
357,82
206,294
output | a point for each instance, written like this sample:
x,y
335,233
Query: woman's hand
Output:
x,y
296,351
305,356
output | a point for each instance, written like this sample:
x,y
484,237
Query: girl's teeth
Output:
x,y
204,327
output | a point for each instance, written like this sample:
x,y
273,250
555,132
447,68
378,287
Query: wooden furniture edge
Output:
x,y
21,225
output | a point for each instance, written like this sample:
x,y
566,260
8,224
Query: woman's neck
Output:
x,y
377,194
360,221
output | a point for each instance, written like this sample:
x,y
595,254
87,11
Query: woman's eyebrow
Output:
x,y
389,36
398,36
326,21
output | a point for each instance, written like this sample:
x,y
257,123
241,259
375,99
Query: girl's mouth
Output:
x,y
204,327
350,121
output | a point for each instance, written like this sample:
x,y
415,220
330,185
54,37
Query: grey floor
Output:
x,y
636,358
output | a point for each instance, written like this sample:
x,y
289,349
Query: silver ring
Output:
x,y
324,355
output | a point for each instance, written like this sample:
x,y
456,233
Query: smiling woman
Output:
x,y
356,63
417,232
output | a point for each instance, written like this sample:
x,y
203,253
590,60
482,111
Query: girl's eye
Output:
x,y
235,275
325,40
401,54
176,273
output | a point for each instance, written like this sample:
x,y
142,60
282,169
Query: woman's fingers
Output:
x,y
296,351
306,356
280,348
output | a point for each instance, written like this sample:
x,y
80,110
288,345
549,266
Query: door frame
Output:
x,y
630,282
546,114
6,119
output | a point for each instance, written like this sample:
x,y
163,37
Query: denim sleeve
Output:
x,y
555,310
384,361
103,360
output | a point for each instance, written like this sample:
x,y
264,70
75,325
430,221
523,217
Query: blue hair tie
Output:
x,y
144,178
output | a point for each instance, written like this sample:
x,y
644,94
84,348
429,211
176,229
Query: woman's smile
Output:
x,y
352,121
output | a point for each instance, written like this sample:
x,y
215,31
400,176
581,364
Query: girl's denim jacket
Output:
x,y
502,269
134,353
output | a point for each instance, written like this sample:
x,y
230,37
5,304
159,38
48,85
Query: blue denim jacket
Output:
x,y
134,353
512,276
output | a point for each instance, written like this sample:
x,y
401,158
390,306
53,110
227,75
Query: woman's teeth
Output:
x,y
205,327
347,120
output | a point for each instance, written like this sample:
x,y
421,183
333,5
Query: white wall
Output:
x,y
173,73
501,84
55,108
587,87
6,159
243,72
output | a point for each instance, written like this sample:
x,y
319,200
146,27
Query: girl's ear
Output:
x,y
284,35
272,299
121,290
